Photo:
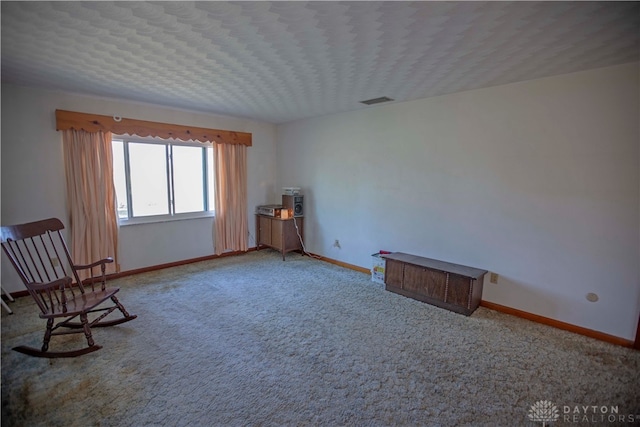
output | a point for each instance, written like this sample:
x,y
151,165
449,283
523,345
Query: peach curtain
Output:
x,y
91,197
231,222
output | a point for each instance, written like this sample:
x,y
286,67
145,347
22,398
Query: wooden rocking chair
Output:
x,y
40,255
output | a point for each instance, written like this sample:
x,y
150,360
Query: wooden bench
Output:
x,y
452,286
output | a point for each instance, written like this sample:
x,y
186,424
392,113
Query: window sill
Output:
x,y
164,218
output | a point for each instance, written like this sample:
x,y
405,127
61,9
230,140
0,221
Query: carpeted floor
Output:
x,y
251,340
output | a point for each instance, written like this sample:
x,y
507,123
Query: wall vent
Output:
x,y
376,100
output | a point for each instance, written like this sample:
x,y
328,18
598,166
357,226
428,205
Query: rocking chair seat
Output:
x,y
81,303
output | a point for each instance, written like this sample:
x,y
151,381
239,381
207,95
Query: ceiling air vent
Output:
x,y
376,100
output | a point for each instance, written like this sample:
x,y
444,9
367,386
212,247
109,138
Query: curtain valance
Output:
x,y
119,125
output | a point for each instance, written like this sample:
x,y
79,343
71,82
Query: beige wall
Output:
x,y
537,181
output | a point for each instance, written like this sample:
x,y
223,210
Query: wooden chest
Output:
x,y
452,286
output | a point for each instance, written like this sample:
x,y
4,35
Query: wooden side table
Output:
x,y
279,234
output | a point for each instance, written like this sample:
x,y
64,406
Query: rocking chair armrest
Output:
x,y
107,260
64,282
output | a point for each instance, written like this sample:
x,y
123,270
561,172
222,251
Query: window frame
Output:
x,y
209,208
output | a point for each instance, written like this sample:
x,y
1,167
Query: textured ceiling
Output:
x,y
282,61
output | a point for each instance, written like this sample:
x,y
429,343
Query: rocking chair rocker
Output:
x,y
40,255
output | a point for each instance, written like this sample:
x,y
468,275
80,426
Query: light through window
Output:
x,y
162,179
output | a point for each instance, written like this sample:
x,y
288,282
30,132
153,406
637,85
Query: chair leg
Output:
x,y
6,307
9,297
120,306
4,304
87,330
47,335
122,309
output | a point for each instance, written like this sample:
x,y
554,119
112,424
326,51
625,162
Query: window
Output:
x,y
159,180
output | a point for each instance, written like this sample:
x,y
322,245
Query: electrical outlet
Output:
x,y
592,297
336,244
493,278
